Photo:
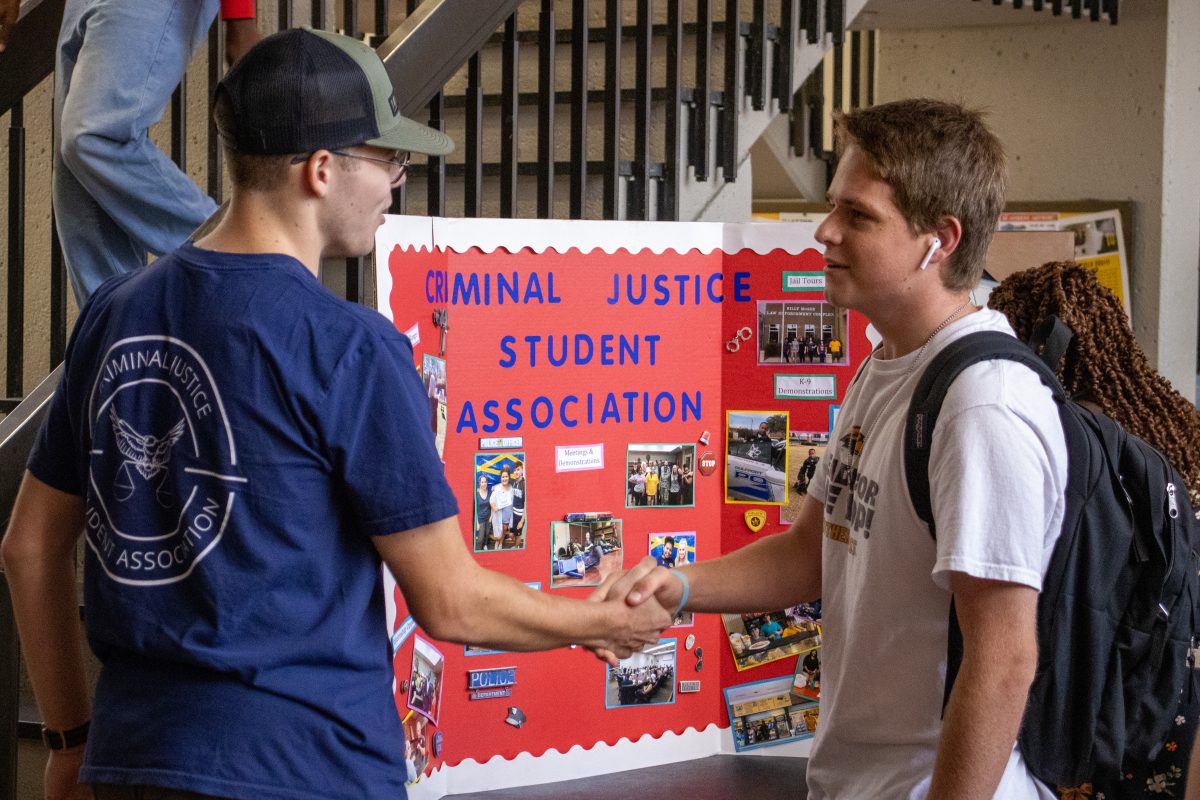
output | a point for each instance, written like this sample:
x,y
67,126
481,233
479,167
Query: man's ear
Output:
x,y
318,173
949,231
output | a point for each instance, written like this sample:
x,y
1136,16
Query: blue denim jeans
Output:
x,y
117,196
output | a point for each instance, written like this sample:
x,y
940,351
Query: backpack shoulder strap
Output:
x,y
1050,340
931,391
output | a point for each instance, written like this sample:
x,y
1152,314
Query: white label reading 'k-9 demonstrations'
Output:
x,y
805,387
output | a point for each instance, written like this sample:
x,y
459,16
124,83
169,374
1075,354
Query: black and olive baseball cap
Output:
x,y
302,90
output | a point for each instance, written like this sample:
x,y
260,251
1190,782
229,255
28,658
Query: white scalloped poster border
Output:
x,y
577,762
560,235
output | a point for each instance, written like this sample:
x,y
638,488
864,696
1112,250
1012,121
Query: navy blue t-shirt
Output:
x,y
238,434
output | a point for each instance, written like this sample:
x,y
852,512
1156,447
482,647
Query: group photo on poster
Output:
x,y
499,501
804,453
766,713
660,475
802,332
763,637
584,553
756,456
645,678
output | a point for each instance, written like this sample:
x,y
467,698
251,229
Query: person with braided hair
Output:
x,y
1106,368
1104,364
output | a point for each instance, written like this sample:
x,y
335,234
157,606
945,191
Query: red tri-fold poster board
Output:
x,y
583,351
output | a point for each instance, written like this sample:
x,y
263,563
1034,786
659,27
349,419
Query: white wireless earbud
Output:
x,y
934,246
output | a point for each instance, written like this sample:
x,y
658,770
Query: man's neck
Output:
x,y
255,223
905,330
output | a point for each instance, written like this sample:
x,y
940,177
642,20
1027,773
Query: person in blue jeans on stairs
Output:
x,y
117,196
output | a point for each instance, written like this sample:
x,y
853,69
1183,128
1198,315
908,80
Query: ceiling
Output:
x,y
902,14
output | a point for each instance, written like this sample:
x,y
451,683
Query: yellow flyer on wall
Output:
x,y
1099,242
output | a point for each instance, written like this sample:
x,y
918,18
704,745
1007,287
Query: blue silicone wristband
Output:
x,y
687,588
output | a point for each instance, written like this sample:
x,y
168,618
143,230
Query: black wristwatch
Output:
x,y
61,740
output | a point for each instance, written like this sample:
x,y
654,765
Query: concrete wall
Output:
x,y
1081,109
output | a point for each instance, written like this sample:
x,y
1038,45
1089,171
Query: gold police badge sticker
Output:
x,y
755,519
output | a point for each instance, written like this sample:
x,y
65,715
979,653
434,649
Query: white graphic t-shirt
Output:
x,y
997,476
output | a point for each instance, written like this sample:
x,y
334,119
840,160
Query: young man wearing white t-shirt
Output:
x,y
913,205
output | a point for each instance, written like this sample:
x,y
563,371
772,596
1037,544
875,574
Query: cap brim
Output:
x,y
414,137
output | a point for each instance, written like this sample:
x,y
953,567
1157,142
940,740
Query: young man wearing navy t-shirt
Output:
x,y
240,448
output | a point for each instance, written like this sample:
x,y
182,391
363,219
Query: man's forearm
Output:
x,y
43,594
775,572
496,610
980,726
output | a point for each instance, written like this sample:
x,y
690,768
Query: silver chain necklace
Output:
x,y
859,443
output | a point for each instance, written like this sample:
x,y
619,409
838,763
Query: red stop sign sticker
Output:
x,y
708,463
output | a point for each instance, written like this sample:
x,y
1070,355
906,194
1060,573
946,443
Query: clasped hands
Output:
x,y
649,595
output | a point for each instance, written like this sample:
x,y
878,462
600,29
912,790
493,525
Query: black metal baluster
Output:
x,y
702,101
216,55
354,266
785,55
509,105
318,14
816,111
473,140
1038,5
809,21
435,174
835,19
756,52
612,106
179,125
58,296
1056,7
546,102
579,103
668,195
1113,8
638,199
381,23
839,77
871,46
15,362
731,95
399,193
286,15
855,69
1076,9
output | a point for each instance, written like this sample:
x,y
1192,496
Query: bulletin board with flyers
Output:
x,y
604,391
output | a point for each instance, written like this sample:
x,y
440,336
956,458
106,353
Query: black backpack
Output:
x,y
1117,615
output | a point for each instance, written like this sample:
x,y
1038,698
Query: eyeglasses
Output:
x,y
397,164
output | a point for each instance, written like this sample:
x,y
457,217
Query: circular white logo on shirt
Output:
x,y
162,466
